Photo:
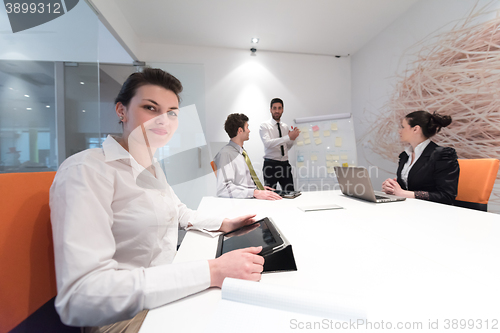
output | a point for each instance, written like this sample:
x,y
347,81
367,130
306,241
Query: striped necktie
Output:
x,y
252,171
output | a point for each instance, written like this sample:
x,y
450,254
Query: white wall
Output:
x,y
237,82
375,66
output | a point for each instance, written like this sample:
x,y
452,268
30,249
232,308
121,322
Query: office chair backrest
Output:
x,y
476,180
214,167
27,274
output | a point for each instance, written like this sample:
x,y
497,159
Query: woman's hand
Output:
x,y
243,264
391,186
237,222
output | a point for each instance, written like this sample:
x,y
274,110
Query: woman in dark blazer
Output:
x,y
426,170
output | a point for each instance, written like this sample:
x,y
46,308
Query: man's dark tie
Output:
x,y
282,149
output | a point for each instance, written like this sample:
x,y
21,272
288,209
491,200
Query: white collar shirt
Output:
x,y
419,149
233,175
115,229
272,142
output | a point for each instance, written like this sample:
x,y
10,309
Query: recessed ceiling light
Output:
x,y
11,88
26,95
82,82
48,106
28,108
83,110
255,40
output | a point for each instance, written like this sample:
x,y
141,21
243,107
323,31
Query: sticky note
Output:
x,y
330,170
329,157
338,141
314,157
333,126
329,163
343,157
317,141
304,130
315,128
316,134
306,135
300,158
300,143
326,133
300,164
307,141
345,165
336,157
336,164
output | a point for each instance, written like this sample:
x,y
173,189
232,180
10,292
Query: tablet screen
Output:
x,y
256,234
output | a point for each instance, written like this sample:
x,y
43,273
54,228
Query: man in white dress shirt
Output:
x,y
236,177
278,140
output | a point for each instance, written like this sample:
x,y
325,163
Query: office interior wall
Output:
x,y
236,82
376,66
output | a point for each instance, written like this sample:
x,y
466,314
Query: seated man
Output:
x,y
236,177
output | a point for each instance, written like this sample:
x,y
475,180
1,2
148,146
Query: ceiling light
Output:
x,y
26,95
255,40
11,88
83,110
48,106
81,82
28,108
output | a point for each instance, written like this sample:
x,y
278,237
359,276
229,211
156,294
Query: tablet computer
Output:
x,y
261,233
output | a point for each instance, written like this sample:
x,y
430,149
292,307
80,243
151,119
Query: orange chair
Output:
x,y
27,274
476,180
214,167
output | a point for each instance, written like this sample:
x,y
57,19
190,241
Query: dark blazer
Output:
x,y
434,176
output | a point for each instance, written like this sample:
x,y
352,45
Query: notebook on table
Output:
x,y
355,182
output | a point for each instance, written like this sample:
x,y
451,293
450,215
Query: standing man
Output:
x,y
277,139
236,177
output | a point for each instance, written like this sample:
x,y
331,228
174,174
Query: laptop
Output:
x,y
355,182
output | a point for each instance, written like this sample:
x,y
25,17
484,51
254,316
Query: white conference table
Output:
x,y
411,261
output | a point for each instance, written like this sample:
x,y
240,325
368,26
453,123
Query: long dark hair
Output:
x,y
430,123
154,76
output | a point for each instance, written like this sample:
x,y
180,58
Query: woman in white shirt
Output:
x,y
426,170
115,220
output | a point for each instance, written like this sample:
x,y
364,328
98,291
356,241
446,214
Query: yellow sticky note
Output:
x,y
338,141
330,170
329,163
306,135
335,157
345,165
304,130
314,157
329,157
316,134
300,143
326,133
343,157
336,164
300,164
307,141
333,126
317,141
